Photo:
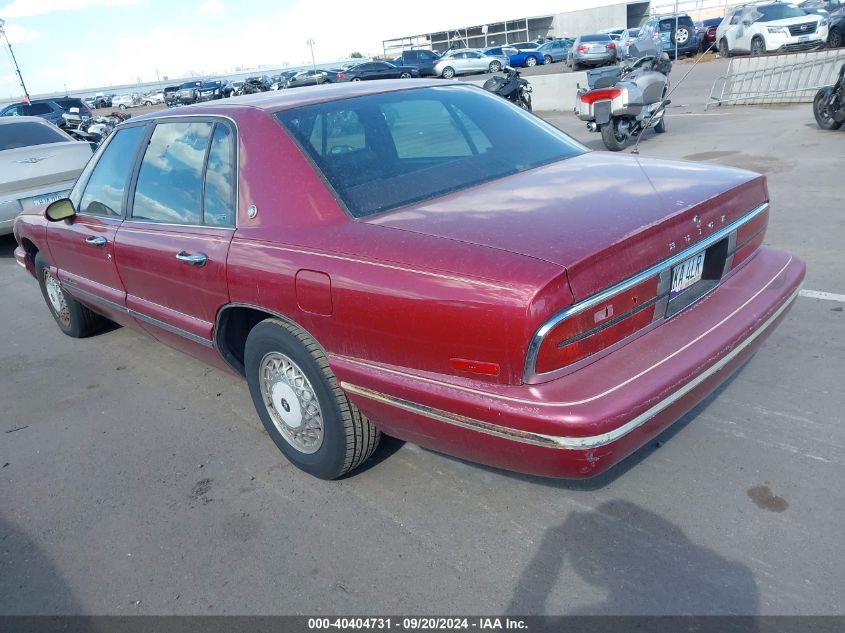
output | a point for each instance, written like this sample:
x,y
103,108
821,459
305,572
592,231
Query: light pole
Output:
x,y
15,61
311,43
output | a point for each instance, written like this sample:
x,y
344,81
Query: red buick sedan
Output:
x,y
421,259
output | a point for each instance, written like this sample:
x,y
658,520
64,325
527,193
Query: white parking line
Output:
x,y
818,294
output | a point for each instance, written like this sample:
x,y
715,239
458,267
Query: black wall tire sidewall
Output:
x,y
825,124
328,461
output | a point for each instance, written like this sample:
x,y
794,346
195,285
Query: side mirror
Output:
x,y
60,210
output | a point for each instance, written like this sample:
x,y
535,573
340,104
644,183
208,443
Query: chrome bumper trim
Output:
x,y
559,441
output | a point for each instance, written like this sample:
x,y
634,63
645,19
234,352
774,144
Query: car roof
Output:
x,y
276,100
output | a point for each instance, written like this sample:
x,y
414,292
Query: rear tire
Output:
x,y
821,111
73,318
122,106
494,67
300,403
547,59
660,128
530,61
405,76
613,138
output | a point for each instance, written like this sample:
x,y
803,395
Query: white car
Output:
x,y
38,164
152,98
125,101
769,27
467,60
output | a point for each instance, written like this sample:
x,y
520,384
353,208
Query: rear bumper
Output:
x,y
581,424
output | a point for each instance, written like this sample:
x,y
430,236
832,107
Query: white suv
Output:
x,y
770,27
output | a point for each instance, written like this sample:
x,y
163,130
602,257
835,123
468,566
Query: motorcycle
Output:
x,y
93,130
511,87
829,104
624,104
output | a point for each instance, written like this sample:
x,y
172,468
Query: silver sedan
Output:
x,y
467,60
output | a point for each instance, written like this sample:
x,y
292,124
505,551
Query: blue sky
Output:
x,y
87,43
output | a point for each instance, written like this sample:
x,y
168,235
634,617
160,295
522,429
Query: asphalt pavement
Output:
x,y
135,480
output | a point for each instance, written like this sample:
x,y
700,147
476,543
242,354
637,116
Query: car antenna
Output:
x,y
749,14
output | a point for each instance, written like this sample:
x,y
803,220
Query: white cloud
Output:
x,y
18,34
30,8
212,6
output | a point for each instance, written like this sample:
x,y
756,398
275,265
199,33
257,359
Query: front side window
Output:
x,y
169,185
386,150
37,109
103,194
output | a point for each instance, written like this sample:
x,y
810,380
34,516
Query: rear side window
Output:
x,y
395,148
103,194
169,185
26,133
669,23
219,193
37,109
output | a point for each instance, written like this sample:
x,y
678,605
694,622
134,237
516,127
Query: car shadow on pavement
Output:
x,y
7,246
640,562
30,583
387,447
605,479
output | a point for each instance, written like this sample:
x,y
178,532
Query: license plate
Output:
x,y
47,198
804,38
686,274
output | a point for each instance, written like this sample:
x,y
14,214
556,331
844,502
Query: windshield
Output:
x,y
779,11
387,150
595,38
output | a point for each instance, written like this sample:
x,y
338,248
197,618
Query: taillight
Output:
x,y
749,237
598,95
597,327
341,75
582,47
611,45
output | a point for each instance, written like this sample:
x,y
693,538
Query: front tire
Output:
x,y
834,38
822,112
448,72
660,127
405,76
122,106
494,67
614,139
73,318
758,46
547,59
300,403
724,51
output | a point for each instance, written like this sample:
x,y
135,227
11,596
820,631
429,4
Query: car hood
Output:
x,y
601,216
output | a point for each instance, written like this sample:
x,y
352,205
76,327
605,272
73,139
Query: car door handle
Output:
x,y
99,240
197,259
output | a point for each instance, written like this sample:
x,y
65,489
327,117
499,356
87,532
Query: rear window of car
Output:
x,y
26,133
595,38
712,22
387,150
667,24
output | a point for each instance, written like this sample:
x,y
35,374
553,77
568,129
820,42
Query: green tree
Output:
x,y
356,55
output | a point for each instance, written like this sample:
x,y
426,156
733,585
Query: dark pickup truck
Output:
x,y
422,60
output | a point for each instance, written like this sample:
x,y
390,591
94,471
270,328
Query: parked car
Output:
x,y
421,59
836,31
670,33
518,57
39,162
770,27
526,46
556,50
626,38
706,31
171,96
311,77
592,50
212,90
377,70
463,61
405,267
98,101
126,101
237,88
253,85
153,97
188,92
277,82
48,109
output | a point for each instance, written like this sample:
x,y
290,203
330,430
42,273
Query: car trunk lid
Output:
x,y
602,217
36,166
